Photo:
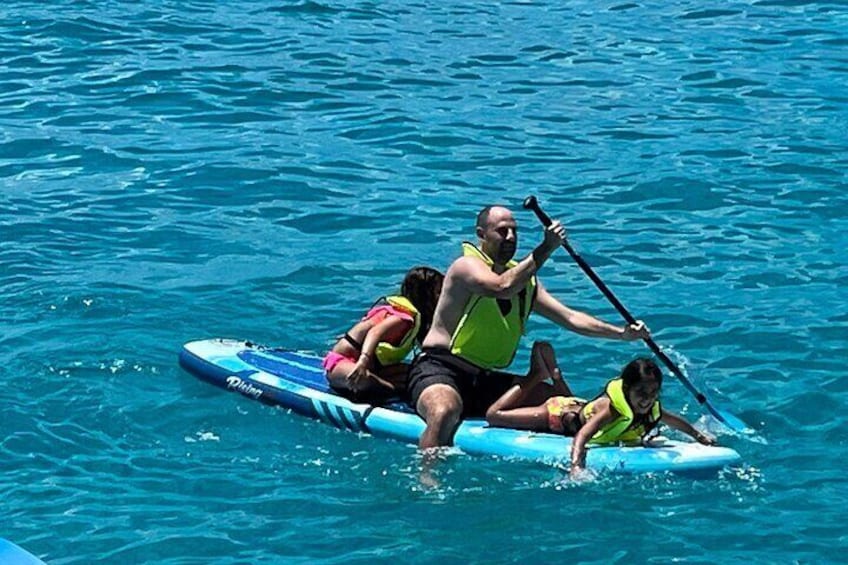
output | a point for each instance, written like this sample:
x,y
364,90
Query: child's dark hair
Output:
x,y
639,370
422,286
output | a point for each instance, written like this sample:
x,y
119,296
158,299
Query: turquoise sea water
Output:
x,y
180,170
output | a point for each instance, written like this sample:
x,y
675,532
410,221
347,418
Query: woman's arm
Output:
x,y
603,414
375,335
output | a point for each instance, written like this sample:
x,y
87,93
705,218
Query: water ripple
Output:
x,y
173,171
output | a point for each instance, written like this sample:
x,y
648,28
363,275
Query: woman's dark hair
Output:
x,y
639,370
422,286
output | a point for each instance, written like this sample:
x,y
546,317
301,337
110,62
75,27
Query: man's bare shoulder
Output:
x,y
465,265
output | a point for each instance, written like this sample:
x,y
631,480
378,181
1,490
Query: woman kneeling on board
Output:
x,y
627,410
366,363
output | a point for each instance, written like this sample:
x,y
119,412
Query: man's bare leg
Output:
x,y
441,407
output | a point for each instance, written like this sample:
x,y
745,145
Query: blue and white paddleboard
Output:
x,y
295,380
11,554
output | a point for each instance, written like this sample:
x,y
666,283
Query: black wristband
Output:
x,y
539,256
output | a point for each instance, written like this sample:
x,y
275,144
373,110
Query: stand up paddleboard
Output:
x,y
296,381
11,554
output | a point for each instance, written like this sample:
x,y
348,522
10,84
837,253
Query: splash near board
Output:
x,y
296,381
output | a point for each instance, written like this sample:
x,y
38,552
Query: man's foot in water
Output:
x,y
430,457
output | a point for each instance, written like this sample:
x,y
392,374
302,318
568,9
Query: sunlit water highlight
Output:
x,y
174,171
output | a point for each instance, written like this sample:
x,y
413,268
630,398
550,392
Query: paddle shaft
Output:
x,y
533,204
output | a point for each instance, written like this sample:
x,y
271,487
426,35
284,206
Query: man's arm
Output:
x,y
582,323
479,278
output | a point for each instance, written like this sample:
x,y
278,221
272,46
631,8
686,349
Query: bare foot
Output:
x,y
429,458
533,390
542,362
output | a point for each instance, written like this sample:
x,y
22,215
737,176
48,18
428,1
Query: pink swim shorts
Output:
x,y
332,359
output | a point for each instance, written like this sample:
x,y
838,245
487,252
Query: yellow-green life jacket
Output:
x,y
489,330
622,429
389,354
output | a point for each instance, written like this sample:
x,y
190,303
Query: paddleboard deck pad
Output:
x,y
295,380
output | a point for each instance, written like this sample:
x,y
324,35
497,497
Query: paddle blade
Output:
x,y
735,424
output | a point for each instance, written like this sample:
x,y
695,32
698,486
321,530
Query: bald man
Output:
x,y
479,320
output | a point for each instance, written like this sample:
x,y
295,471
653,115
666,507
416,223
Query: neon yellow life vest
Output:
x,y
489,330
389,354
622,429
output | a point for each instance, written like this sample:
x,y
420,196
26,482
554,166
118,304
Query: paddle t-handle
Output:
x,y
530,203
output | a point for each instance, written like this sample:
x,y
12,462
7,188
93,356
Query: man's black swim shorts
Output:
x,y
478,388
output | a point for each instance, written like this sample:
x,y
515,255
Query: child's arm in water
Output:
x,y
673,420
377,333
602,414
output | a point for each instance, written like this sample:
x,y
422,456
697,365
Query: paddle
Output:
x,y
726,418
